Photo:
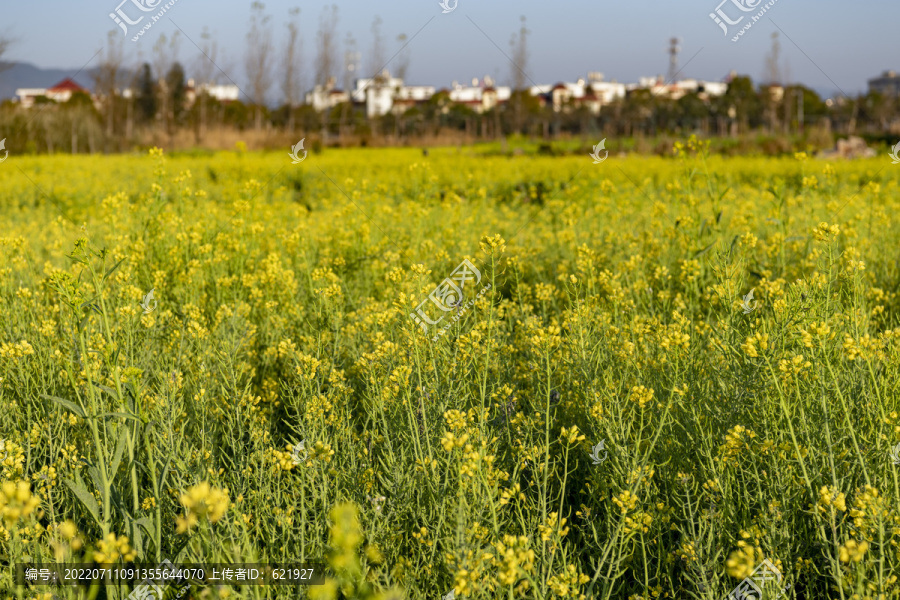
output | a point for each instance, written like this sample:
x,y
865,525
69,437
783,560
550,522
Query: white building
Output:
x,y
378,93
481,96
679,89
384,94
27,96
222,93
410,95
591,93
326,97
606,91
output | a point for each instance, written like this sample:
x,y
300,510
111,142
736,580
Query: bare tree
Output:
x,y
133,83
519,47
258,60
376,55
165,53
518,73
291,84
403,57
773,70
5,43
106,79
773,78
326,61
206,73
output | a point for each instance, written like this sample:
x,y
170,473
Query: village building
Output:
x,y
61,92
888,84
678,89
481,96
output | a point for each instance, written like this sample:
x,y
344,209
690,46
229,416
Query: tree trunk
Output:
x,y
109,117
853,116
129,123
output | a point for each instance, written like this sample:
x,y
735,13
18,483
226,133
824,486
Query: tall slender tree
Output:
x,y
177,86
519,47
326,58
291,83
5,43
165,52
403,57
258,60
206,75
518,72
106,79
376,54
146,94
773,78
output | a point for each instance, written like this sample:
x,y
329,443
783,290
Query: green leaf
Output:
x,y
130,395
120,448
81,492
162,478
704,251
116,266
67,404
94,472
118,414
146,523
134,534
107,389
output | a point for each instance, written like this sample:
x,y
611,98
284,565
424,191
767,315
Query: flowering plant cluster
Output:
x,y
197,359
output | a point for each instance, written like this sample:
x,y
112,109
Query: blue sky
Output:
x,y
835,44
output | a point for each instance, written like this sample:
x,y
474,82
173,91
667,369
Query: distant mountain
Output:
x,y
23,75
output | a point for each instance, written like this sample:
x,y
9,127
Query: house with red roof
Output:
x,y
61,92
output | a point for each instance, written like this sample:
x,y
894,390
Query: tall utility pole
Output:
x,y
674,49
351,63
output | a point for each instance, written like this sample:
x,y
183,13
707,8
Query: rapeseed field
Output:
x,y
458,375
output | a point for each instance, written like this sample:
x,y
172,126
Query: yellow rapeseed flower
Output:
x,y
200,501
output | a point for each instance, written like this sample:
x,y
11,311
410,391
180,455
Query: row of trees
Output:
x,y
154,95
154,99
159,104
